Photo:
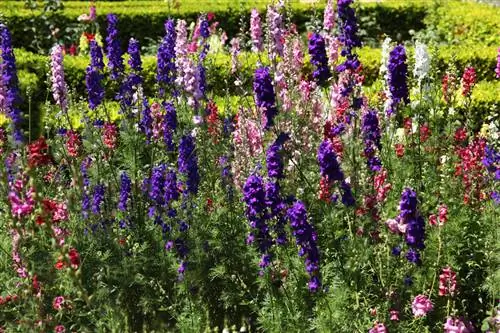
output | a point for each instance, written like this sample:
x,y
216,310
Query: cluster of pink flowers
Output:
x,y
378,328
421,305
441,218
447,282
73,143
256,31
22,203
275,28
468,80
470,169
110,135
455,325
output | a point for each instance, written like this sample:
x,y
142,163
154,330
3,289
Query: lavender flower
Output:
x,y
59,88
10,83
398,71
371,138
170,124
317,51
188,163
114,52
125,188
275,27
165,71
264,94
306,239
95,91
98,198
256,31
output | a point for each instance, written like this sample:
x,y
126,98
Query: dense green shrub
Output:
x,y
145,20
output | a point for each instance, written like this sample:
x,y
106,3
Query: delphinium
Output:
x,y
94,76
398,72
256,31
113,48
59,88
274,22
10,83
131,83
166,70
319,59
265,97
348,34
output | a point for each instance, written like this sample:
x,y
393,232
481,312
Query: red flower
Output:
x,y
213,119
38,153
468,80
324,189
447,282
59,264
89,36
35,284
425,132
110,135
72,50
407,123
74,258
460,134
400,149
210,16
73,143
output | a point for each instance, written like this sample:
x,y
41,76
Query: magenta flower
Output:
x,y
57,303
421,305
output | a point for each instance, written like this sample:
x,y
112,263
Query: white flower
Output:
x,y
386,48
422,61
400,134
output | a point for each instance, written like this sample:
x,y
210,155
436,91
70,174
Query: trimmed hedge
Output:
x,y
145,20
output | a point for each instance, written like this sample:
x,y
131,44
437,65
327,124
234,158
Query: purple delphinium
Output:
x,y
125,188
415,224
59,88
274,160
275,30
134,79
113,49
134,51
276,209
165,71
328,164
317,51
398,72
371,139
146,122
10,83
188,163
348,28
171,190
93,77
204,28
169,125
157,185
264,94
306,239
98,198
254,195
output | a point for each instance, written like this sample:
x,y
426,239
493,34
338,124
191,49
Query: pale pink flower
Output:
x,y
256,31
455,325
394,315
421,305
329,16
393,225
378,328
235,51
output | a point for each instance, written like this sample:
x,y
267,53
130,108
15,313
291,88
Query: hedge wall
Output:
x,y
145,20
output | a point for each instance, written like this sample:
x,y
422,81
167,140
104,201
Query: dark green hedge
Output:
x,y
145,20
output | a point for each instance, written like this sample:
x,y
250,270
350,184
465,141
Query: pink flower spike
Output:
x,y
421,305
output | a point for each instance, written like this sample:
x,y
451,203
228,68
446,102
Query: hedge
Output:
x,y
145,20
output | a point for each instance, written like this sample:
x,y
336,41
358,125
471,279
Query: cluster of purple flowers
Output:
x,y
134,78
10,83
254,195
331,171
306,239
204,28
491,161
317,51
398,72
98,198
274,160
265,97
146,122
93,76
348,28
188,163
125,188
415,224
114,52
371,137
169,126
165,72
